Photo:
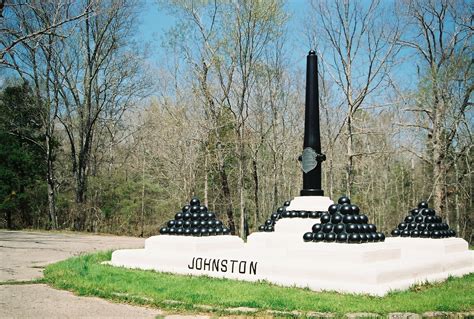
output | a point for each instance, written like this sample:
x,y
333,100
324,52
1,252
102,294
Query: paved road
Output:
x,y
23,255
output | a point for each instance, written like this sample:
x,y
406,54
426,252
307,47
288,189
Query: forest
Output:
x,y
95,137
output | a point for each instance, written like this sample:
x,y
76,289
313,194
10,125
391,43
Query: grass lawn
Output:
x,y
85,276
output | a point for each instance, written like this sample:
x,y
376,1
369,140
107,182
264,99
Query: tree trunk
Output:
x,y
51,185
228,200
256,190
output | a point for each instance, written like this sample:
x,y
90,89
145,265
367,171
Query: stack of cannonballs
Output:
x,y
343,224
195,220
281,212
423,222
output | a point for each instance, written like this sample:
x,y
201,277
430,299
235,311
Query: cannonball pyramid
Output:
x,y
195,220
423,222
269,225
343,224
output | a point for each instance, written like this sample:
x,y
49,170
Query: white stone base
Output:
x,y
310,203
284,259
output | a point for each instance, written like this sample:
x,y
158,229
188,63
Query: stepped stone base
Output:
x,y
284,259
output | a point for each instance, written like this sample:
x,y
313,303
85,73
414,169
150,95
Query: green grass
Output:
x,y
84,275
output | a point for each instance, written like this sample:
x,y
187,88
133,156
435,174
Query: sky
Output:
x,y
155,21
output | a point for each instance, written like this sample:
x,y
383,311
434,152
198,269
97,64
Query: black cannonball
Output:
x,y
363,238
294,214
172,230
318,237
317,228
217,223
195,223
185,208
421,226
219,230
415,211
326,218
203,223
202,216
261,228
425,234
333,209
196,232
453,232
402,226
268,222
327,228
346,209
344,200
330,237
415,233
187,232
171,223
372,228
355,209
210,223
352,228
314,215
412,226
164,230
339,228
436,234
280,210
179,223
381,236
395,233
405,233
269,228
187,224
211,231
195,209
204,231
286,214
409,219
194,216
432,226
178,216
225,230
437,219
348,219
422,204
363,219
375,236
341,238
365,228
308,236
187,216
202,209
287,203
431,212
336,218
370,239
356,219
419,219
429,219
425,211
195,202
274,216
304,214
211,215
354,238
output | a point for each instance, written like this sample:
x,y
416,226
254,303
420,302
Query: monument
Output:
x,y
310,241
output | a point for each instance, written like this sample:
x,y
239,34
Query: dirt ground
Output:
x,y
23,255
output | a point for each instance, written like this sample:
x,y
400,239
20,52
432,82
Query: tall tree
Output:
x,y
439,32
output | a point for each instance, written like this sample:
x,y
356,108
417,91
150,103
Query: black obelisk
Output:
x,y
312,136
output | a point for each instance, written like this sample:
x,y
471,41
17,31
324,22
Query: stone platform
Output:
x,y
283,258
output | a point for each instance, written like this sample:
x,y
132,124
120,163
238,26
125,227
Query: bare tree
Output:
x,y
357,45
440,35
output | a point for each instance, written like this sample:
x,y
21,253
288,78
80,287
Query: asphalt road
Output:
x,y
23,255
